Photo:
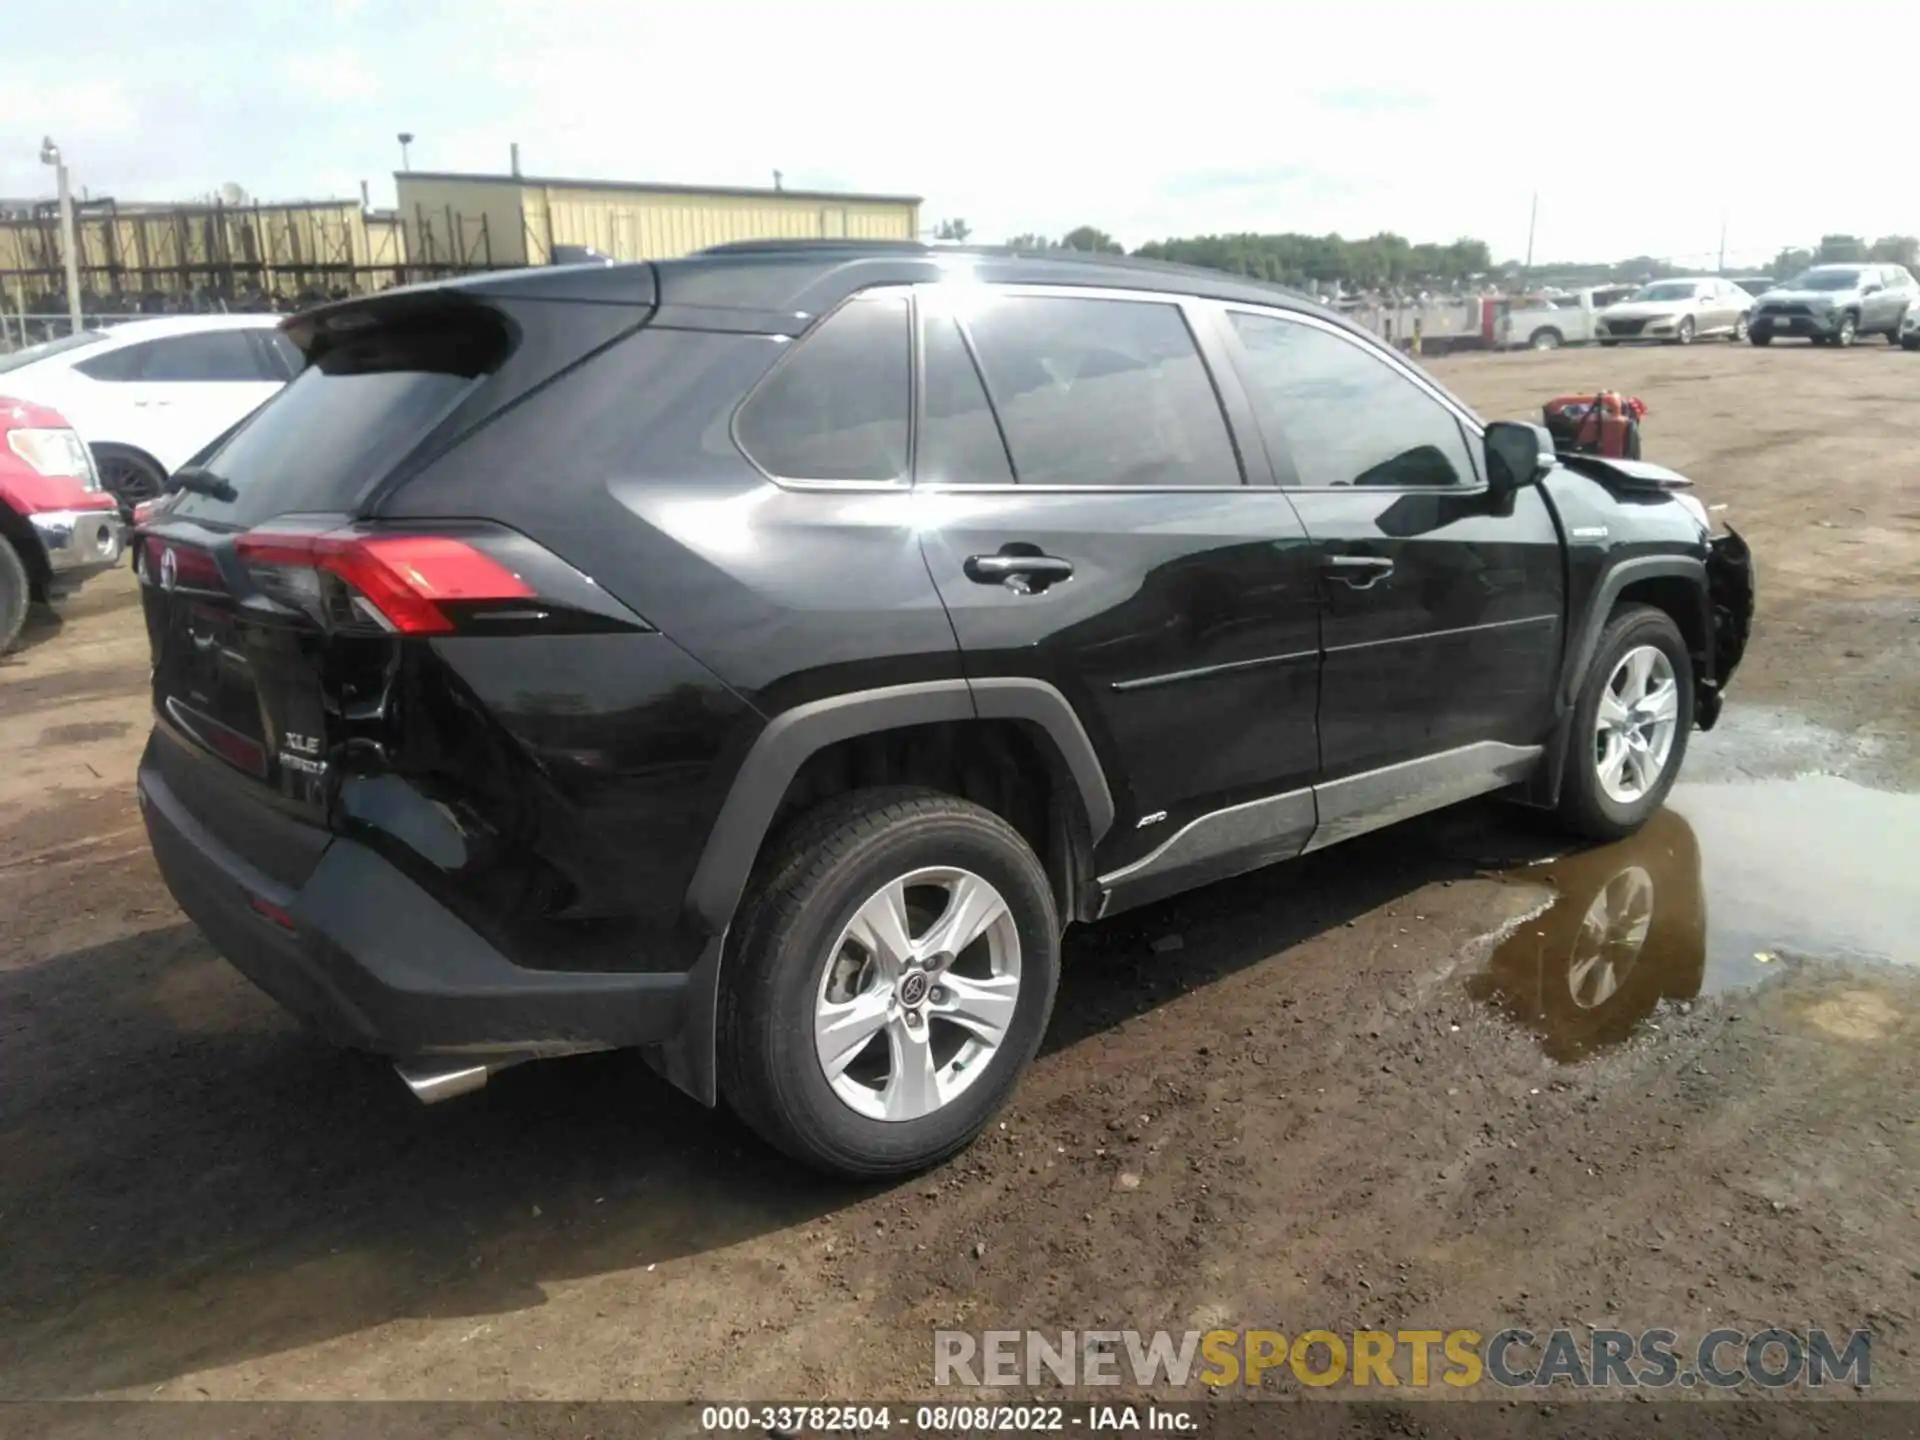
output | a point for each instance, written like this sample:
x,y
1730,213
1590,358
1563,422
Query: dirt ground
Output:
x,y
1346,1093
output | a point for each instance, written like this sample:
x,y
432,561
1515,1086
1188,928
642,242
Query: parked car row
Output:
x,y
1827,305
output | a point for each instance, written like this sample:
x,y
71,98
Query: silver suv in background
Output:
x,y
1836,304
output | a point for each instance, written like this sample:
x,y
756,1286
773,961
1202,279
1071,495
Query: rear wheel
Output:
x,y
1893,333
1739,329
892,980
1910,342
127,475
1630,725
15,595
1546,338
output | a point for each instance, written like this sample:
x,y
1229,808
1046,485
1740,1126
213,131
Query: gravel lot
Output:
x,y
1353,1093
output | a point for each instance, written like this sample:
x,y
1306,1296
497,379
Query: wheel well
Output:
x,y
1680,599
1010,767
19,534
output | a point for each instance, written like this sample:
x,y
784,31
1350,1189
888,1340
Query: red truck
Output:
x,y
58,525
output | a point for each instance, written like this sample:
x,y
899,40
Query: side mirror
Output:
x,y
1518,453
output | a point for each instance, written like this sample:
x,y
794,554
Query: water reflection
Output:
x,y
1628,930
1815,867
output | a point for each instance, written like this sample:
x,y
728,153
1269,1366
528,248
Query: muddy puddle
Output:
x,y
1731,883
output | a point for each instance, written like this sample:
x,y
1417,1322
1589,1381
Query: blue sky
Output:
x,y
1639,125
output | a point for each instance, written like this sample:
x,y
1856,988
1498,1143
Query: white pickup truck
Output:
x,y
1547,325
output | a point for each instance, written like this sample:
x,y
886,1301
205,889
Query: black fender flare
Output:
x,y
775,757
1585,640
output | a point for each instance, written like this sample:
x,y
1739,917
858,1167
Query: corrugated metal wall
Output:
x,y
462,222
637,225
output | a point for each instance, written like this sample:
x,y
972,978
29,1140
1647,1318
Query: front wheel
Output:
x,y
1893,335
1910,342
892,980
1849,328
1684,336
1630,725
1739,329
1760,337
1545,338
16,593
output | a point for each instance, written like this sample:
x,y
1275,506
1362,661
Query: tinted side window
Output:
x,y
214,355
116,365
837,407
1335,414
278,355
1101,392
959,439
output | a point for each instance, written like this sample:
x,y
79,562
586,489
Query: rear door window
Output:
x,y
960,440
1101,392
208,356
837,408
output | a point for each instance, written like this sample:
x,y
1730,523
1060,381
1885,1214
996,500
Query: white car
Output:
x,y
150,394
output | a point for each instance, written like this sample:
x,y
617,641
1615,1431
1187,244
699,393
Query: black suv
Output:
x,y
759,658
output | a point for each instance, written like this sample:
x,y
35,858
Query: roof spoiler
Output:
x,y
1631,475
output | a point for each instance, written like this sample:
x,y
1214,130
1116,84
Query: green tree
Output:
x,y
1896,250
1030,241
1841,249
955,229
1791,261
1092,240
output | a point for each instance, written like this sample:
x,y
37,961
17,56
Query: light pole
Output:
x,y
406,139
50,155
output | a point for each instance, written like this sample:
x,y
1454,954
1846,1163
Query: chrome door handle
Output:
x,y
1359,572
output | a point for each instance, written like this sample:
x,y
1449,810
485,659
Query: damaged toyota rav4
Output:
x,y
758,659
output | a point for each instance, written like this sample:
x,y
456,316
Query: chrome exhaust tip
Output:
x,y
431,1083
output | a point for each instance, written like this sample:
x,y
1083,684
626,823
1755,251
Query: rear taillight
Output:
x,y
403,583
50,451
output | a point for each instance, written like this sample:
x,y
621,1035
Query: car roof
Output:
x,y
793,281
127,331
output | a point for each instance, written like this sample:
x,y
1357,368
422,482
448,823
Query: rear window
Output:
x,y
34,354
343,423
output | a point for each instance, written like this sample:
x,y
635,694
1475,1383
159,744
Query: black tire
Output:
x,y
1759,337
1585,807
1609,344
1848,332
16,594
1893,333
1910,342
128,475
1545,338
822,870
1684,336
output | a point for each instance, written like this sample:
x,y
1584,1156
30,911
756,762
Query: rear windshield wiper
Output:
x,y
201,481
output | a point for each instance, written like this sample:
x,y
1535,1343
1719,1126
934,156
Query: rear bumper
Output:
x,y
1730,597
372,961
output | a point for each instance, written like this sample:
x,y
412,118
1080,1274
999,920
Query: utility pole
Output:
x,y
50,155
1723,244
1533,214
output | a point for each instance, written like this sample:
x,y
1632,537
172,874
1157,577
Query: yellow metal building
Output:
x,y
505,220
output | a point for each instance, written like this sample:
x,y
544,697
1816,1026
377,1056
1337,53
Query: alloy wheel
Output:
x,y
1637,721
918,993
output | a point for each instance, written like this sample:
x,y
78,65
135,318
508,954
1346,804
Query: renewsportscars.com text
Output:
x,y
1510,1358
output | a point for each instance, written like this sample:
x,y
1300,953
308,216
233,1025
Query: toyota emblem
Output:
x,y
169,569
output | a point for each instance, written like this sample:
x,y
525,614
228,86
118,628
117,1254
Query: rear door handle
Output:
x,y
1018,572
1360,572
